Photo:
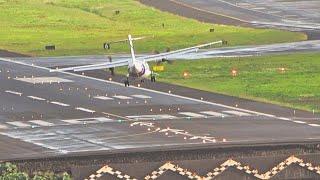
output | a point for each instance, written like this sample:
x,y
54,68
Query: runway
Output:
x,y
45,114
238,51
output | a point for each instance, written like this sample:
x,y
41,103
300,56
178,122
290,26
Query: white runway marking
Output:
x,y
60,104
141,96
238,113
3,126
36,98
41,123
103,98
259,8
104,119
285,119
41,80
300,122
19,124
77,121
152,117
314,125
85,110
212,113
14,92
122,97
191,114
153,91
274,12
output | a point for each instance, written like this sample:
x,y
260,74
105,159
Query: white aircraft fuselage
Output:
x,y
139,69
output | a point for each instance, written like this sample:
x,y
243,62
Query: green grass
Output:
x,y
81,27
258,78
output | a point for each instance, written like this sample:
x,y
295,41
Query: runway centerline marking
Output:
x,y
85,110
14,92
36,98
59,103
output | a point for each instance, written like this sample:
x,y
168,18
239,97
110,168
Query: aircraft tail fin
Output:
x,y
133,56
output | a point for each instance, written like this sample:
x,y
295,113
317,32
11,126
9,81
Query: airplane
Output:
x,y
138,67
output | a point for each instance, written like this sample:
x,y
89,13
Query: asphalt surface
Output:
x,y
298,15
47,114
239,51
292,15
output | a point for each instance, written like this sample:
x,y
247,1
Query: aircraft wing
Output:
x,y
173,54
125,62
106,65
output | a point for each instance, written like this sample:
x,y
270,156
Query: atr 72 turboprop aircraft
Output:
x,y
138,67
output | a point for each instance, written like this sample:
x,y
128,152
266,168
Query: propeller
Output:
x,y
163,60
166,60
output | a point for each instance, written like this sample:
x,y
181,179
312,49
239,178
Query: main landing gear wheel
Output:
x,y
126,83
153,79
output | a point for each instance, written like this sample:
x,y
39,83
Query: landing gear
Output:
x,y
153,78
126,82
111,69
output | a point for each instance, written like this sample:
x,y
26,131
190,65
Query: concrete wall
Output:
x,y
200,161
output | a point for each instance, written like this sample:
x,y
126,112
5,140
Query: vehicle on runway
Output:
x,y
138,67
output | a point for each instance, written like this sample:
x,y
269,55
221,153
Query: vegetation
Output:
x,y
81,27
9,171
291,79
